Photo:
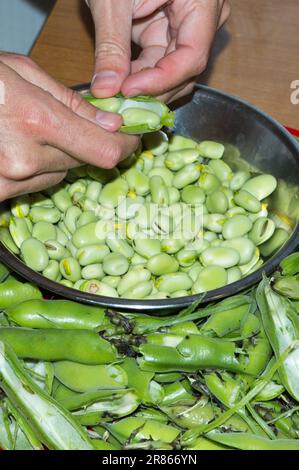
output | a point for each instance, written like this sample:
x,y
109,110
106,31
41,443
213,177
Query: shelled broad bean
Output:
x,y
172,220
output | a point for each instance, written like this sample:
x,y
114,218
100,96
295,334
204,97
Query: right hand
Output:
x,y
46,129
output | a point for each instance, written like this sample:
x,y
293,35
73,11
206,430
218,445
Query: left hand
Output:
x,y
175,37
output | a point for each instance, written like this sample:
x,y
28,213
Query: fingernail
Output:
x,y
110,122
107,79
134,92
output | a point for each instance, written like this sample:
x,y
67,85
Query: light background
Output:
x,y
20,23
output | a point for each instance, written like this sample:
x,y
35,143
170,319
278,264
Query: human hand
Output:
x,y
175,39
46,129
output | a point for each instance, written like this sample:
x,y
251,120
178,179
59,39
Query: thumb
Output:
x,y
113,25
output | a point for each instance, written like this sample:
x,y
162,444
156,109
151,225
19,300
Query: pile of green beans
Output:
x,y
172,220
223,376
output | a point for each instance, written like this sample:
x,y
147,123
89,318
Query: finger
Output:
x,y
113,23
10,188
34,74
86,141
178,92
194,38
225,13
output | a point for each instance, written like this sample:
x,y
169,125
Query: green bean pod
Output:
x,y
13,292
59,431
140,114
248,441
83,346
62,314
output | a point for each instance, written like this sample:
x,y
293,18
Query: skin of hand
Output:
x,y
46,129
175,38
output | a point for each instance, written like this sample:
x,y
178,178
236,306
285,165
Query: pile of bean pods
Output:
x,y
172,220
223,376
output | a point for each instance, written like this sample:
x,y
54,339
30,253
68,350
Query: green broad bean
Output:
x,y
173,282
173,195
209,278
79,186
172,245
5,216
71,250
217,202
211,149
158,191
158,296
82,378
7,240
115,264
62,199
133,116
148,162
261,186
137,181
78,284
246,268
113,193
19,230
198,245
277,240
145,215
237,226
163,224
102,175
214,222
244,246
138,260
162,264
52,271
234,274
159,162
62,227
70,269
178,142
179,293
195,270
129,207
156,142
209,236
147,247
208,182
238,180
89,234
44,231
247,201
20,206
71,217
176,160
120,246
235,211
221,170
87,204
193,195
93,190
225,257
112,281
165,174
186,176
34,254
66,283
139,291
45,214
216,243
96,287
186,257
104,213
93,271
39,199
85,218
262,230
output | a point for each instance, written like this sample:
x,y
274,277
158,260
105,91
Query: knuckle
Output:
x,y
16,169
72,99
112,154
35,120
110,48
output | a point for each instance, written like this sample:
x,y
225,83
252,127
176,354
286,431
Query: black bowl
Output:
x,y
262,142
